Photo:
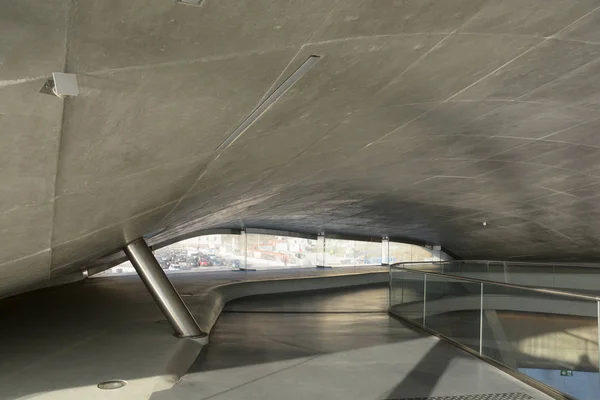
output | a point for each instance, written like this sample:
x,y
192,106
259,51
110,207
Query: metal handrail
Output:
x,y
509,285
532,263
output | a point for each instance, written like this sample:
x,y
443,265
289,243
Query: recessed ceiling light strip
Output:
x,y
191,2
264,106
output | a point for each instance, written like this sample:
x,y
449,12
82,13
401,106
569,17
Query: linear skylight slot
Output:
x,y
191,2
268,102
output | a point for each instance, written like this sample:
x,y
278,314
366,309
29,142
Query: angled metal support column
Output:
x,y
162,290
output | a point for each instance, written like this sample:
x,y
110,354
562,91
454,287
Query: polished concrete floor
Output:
x,y
339,344
59,343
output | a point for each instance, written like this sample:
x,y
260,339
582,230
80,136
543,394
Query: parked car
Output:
x,y
185,265
216,260
204,261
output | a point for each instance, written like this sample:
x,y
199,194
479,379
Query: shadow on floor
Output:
x,y
285,351
424,376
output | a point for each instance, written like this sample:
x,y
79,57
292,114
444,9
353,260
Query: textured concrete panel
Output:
x,y
108,204
585,134
527,120
540,179
352,18
30,133
346,134
542,65
585,28
420,120
247,155
465,147
362,128
572,157
111,34
33,38
77,253
579,88
25,231
215,209
452,66
130,121
528,152
447,118
323,92
532,17
18,275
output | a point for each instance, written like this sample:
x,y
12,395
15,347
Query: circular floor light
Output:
x,y
112,384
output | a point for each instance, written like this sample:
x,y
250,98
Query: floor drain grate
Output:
x,y
488,396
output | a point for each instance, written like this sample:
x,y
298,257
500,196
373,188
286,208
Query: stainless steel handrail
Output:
x,y
509,285
541,264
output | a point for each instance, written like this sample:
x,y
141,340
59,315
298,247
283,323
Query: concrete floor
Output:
x,y
331,345
60,342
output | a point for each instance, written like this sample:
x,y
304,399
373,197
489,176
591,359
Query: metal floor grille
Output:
x,y
488,396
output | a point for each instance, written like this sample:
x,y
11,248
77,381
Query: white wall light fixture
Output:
x,y
61,85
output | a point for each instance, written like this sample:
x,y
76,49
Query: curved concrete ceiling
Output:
x,y
421,120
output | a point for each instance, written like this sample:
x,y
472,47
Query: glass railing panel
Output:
x,y
519,274
528,275
578,279
459,268
575,278
407,294
551,338
453,308
423,266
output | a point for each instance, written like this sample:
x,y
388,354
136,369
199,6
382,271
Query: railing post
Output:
x,y
424,297
402,291
598,321
481,321
391,287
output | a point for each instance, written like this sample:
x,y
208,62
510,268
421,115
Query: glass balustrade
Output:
x,y
548,334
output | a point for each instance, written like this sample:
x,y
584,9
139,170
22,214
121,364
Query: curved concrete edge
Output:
x,y
53,281
184,356
208,305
